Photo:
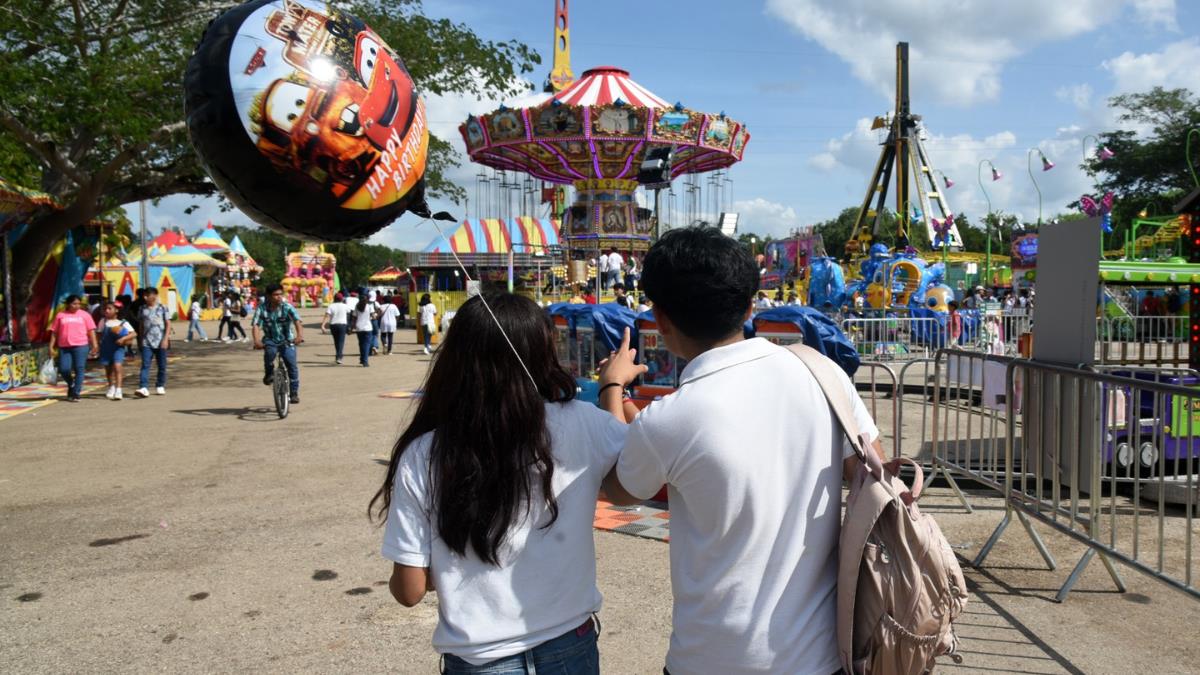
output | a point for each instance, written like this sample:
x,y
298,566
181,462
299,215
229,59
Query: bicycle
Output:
x,y
281,386
281,381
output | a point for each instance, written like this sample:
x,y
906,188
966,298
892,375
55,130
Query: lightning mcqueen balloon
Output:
x,y
306,120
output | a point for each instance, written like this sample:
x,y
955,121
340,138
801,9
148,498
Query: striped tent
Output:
x,y
493,235
606,85
210,241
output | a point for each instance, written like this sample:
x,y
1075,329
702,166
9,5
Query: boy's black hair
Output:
x,y
618,287
271,288
702,280
151,290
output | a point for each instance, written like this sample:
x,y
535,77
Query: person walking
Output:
x,y
337,317
194,321
237,310
155,329
755,508
389,315
115,334
514,564
135,313
602,268
73,340
376,310
277,330
616,263
427,315
364,329
223,326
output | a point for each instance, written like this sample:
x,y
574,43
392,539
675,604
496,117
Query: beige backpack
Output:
x,y
899,583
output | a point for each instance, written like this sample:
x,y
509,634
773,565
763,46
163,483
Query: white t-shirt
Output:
x,y
546,582
387,318
428,314
755,509
603,262
362,320
194,312
226,308
615,261
338,312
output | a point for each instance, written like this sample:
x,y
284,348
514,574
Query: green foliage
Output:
x,y
1149,171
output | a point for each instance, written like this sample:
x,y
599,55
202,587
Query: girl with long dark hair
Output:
x,y
491,493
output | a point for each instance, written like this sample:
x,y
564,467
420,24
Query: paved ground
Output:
x,y
196,532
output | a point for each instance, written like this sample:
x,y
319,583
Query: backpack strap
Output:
x,y
829,378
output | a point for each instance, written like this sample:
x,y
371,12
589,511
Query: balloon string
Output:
x,y
486,306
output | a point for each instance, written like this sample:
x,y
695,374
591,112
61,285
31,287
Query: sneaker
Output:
x,y
294,398
112,391
117,395
267,380
426,350
338,361
204,339
161,391
224,339
245,339
142,393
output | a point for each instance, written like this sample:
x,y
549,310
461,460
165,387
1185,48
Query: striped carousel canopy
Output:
x,y
493,235
606,85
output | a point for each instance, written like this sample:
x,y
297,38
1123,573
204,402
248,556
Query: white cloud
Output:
x,y
856,148
960,62
1078,95
764,217
1157,12
1177,65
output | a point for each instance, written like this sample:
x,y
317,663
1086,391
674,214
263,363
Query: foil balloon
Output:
x,y
306,120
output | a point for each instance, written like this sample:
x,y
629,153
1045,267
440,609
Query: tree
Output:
x,y
356,261
837,231
91,91
1148,170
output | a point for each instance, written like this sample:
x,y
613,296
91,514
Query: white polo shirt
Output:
x,y
755,510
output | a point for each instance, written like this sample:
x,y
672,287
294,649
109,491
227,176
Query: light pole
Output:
x,y
1046,166
1188,149
753,241
996,175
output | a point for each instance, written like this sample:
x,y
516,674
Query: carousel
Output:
x,y
595,135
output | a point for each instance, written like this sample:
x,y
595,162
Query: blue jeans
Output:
x,y
375,334
339,338
364,346
160,355
72,361
270,350
194,325
428,337
571,652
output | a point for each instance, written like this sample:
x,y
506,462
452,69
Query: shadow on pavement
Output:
x,y
247,414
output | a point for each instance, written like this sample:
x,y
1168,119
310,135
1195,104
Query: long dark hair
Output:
x,y
490,442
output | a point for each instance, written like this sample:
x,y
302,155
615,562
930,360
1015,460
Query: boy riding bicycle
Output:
x,y
277,330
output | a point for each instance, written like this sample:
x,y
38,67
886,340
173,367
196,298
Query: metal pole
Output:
x,y
987,264
145,246
1029,166
6,273
657,214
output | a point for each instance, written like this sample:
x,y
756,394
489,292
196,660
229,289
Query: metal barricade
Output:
x,y
1142,340
915,385
969,430
1067,429
894,338
882,384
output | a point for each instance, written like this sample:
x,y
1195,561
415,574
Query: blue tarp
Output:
x,y
608,320
818,331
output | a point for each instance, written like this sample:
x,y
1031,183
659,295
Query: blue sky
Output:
x,y
991,79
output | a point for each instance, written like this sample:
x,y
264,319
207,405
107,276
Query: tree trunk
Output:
x,y
31,249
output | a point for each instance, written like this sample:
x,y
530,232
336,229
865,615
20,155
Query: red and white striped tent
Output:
x,y
606,85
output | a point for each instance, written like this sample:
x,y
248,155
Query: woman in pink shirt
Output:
x,y
73,337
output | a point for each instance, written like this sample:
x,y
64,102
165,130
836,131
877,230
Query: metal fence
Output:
x,y
895,338
1142,340
1105,456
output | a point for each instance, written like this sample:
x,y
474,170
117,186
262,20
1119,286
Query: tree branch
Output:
x,y
44,148
110,169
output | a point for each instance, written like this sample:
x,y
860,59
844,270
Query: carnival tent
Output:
x,y
493,235
166,241
210,241
174,274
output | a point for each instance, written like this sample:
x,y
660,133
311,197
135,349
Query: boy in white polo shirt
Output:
x,y
755,508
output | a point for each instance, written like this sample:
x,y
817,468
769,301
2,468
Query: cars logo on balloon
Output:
x,y
307,120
